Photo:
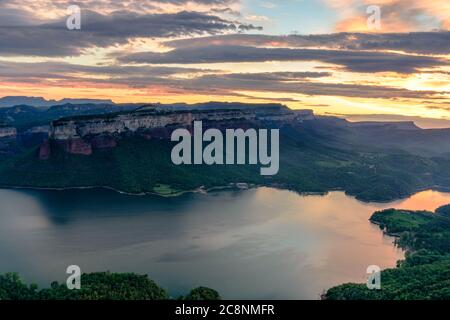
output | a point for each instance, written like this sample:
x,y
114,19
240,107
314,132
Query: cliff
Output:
x,y
7,132
115,124
83,134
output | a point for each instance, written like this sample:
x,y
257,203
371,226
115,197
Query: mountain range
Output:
x,y
10,101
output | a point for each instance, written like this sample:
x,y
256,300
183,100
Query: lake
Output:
x,y
255,244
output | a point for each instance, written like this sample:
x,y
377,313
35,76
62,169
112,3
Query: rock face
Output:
x,y
83,134
38,130
78,146
223,115
8,142
103,142
80,127
44,150
9,132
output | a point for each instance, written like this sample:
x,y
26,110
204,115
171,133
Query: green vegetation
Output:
x,y
394,222
308,163
96,286
202,293
425,272
135,166
166,190
444,210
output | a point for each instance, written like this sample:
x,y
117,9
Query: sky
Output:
x,y
332,56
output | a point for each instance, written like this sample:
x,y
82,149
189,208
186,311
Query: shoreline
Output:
x,y
238,186
199,190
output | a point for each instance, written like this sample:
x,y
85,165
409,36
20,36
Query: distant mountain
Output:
x,y
23,117
10,101
422,122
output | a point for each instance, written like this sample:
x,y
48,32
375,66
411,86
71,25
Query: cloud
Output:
x,y
54,39
399,15
13,71
356,61
15,17
278,76
437,42
212,34
224,84
46,9
125,24
202,81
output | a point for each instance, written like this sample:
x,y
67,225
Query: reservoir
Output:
x,y
261,243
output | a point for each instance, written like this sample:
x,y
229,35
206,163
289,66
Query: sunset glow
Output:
x,y
318,55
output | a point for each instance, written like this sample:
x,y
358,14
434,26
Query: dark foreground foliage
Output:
x,y
96,286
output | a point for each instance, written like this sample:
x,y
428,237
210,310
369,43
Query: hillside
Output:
x,y
130,151
139,165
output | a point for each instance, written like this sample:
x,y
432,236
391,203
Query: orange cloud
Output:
x,y
396,15
359,24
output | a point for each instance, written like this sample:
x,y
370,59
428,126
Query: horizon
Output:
x,y
421,122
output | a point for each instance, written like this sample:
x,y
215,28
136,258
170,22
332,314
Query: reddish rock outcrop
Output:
x,y
44,150
80,135
78,146
157,133
103,142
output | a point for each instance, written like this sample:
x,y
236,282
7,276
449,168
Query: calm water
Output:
x,y
260,244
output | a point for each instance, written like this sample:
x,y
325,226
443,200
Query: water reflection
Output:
x,y
260,244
